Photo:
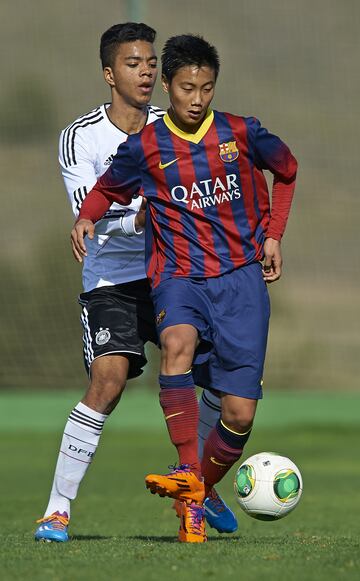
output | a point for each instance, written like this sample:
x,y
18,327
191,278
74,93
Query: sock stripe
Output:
x,y
77,416
205,423
233,431
209,403
77,421
231,438
77,411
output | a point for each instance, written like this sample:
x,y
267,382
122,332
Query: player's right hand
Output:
x,y
272,266
80,230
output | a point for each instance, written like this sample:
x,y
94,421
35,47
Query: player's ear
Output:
x,y
165,83
108,76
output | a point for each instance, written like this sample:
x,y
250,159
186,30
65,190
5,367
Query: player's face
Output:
x,y
190,92
133,74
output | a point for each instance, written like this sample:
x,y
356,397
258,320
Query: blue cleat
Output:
x,y
53,528
218,515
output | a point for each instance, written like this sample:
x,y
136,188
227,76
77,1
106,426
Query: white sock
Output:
x,y
210,410
78,446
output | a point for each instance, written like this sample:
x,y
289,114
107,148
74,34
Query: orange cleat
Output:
x,y
181,483
192,523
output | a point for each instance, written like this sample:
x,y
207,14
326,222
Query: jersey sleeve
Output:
x,y
118,184
274,155
79,177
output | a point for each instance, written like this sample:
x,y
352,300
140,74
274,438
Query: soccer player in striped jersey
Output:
x,y
117,312
209,224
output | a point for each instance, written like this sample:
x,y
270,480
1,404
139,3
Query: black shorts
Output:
x,y
118,319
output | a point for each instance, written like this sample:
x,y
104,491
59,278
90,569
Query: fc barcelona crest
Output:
x,y
160,317
228,151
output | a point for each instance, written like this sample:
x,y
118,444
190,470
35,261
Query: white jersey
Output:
x,y
86,149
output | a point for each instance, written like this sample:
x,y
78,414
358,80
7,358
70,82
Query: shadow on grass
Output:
x,y
89,538
246,542
162,539
149,538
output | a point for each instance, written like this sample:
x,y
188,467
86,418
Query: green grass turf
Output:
x,y
120,531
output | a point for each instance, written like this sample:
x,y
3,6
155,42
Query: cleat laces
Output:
x,y
57,521
180,468
196,519
216,501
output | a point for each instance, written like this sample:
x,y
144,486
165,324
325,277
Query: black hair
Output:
x,y
188,49
120,33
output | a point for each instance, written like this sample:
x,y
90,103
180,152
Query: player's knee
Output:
x,y
238,421
174,346
105,391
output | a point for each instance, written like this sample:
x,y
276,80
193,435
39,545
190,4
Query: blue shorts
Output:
x,y
231,313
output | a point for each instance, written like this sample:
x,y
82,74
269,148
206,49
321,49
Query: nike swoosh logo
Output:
x,y
173,415
214,461
164,165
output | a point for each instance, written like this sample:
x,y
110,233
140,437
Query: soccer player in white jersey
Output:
x,y
117,312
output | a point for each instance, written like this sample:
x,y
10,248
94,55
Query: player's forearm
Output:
x,y
95,205
282,195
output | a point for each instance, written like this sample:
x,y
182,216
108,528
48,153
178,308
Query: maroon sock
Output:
x,y
222,449
181,413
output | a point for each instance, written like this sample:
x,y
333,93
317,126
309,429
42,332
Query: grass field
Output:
x,y
120,531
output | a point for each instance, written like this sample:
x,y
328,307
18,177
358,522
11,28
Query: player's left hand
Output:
x,y
80,230
272,260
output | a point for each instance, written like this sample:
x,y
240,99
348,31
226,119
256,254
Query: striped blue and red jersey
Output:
x,y
208,205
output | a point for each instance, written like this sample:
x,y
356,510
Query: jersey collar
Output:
x,y
193,137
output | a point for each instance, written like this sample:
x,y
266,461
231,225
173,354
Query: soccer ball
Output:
x,y
268,486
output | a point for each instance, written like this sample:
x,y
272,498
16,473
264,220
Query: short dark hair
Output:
x,y
120,33
188,49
